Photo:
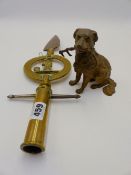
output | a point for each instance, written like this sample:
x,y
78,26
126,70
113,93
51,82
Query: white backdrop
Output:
x,y
91,135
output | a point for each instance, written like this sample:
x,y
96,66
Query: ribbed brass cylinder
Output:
x,y
34,141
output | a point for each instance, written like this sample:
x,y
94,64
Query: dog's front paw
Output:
x,y
79,91
94,86
72,82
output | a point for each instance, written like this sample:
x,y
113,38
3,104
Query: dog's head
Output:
x,y
85,40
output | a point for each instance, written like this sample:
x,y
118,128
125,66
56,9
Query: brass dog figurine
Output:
x,y
88,62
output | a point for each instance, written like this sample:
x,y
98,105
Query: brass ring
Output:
x,y
39,77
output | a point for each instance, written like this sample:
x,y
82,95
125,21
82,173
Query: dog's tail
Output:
x,y
110,88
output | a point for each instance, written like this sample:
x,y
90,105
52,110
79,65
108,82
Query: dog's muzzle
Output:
x,y
82,50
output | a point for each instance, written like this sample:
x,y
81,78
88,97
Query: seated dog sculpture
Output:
x,y
90,64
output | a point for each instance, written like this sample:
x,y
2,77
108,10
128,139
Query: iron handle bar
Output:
x,y
53,96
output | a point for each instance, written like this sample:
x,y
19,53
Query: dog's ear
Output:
x,y
74,35
95,36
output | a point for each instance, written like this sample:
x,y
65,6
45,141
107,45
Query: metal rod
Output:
x,y
21,96
60,96
53,96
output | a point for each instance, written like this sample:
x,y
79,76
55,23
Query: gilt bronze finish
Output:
x,y
93,66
